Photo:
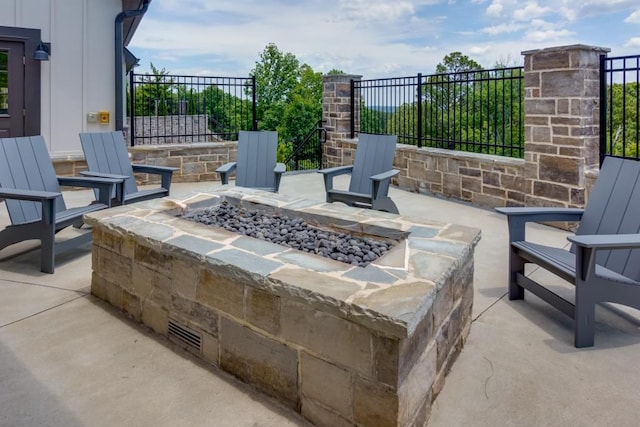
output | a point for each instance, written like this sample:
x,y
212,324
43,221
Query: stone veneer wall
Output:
x,y
561,139
483,180
196,161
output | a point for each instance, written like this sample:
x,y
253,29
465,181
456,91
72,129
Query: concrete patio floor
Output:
x,y
68,359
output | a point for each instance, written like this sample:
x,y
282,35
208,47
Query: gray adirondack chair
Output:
x,y
255,165
31,190
604,260
107,156
371,175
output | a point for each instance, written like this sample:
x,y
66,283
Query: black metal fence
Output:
x,y
172,108
478,111
306,154
619,106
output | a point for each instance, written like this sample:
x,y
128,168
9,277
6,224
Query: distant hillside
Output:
x,y
384,108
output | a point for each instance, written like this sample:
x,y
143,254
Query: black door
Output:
x,y
12,102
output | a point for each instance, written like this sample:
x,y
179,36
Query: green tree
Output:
x,y
277,74
156,94
304,106
445,95
463,107
456,62
288,98
622,116
497,113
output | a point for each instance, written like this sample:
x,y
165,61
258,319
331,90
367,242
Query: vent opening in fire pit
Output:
x,y
292,232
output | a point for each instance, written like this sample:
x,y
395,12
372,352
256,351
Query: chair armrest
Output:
x,y
153,169
47,201
607,241
86,181
330,173
385,175
280,168
518,217
28,195
165,172
338,170
225,170
380,183
103,175
586,247
105,186
547,214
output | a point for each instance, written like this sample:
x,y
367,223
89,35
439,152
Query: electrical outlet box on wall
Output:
x,y
103,117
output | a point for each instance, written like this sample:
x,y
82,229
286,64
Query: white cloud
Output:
x,y
531,11
377,10
547,36
633,42
499,8
495,9
584,8
502,28
376,38
479,50
634,18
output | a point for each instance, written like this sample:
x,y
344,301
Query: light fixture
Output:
x,y
42,52
130,60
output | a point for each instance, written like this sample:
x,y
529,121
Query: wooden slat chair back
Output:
x,y
25,164
374,155
106,155
256,159
256,163
106,152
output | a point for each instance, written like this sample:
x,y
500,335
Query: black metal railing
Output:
x,y
306,154
479,111
175,109
619,106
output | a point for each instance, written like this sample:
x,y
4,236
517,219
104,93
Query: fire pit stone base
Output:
x,y
343,345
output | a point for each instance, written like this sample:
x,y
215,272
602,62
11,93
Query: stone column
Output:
x,y
336,113
561,107
336,104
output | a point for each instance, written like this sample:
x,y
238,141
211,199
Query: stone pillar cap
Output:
x,y
566,48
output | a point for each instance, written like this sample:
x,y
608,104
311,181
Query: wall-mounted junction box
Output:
x,y
103,117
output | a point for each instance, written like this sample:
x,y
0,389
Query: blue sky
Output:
x,y
374,38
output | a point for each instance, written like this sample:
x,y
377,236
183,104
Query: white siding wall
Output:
x,y
79,76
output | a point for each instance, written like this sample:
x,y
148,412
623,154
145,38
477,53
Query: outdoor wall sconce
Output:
x,y
42,52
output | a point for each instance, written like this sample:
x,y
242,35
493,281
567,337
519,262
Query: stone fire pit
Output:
x,y
341,344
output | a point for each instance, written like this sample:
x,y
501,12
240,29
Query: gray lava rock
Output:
x,y
291,232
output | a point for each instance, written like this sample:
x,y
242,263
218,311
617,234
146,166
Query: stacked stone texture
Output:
x,y
197,162
561,123
343,345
